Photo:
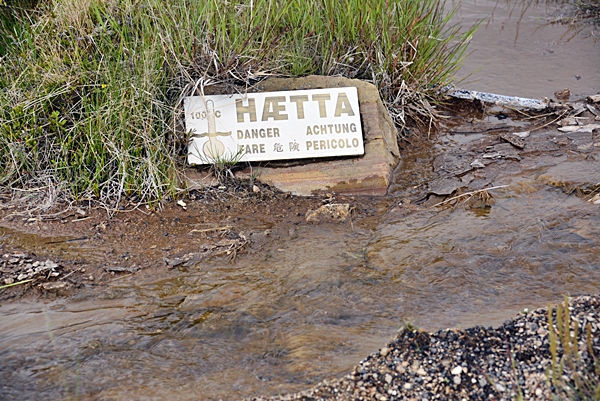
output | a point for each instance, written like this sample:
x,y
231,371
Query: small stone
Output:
x,y
54,286
255,189
329,212
401,369
384,351
500,387
9,280
522,134
457,370
563,94
456,380
538,392
477,164
388,378
407,386
421,372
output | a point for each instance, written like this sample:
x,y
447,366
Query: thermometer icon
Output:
x,y
212,148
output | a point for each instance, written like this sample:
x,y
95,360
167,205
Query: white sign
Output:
x,y
274,125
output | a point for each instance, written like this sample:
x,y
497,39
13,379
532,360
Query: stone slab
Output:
x,y
573,175
365,175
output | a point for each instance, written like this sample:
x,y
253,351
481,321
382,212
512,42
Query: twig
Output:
x,y
120,277
13,284
67,240
207,230
74,271
553,121
468,194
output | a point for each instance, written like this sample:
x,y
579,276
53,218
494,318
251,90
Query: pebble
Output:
x,y
472,364
17,267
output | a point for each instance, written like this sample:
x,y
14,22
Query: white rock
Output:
x,y
388,378
457,370
579,128
477,164
54,286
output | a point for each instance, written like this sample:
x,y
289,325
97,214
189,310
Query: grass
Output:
x,y
91,90
13,284
575,368
222,166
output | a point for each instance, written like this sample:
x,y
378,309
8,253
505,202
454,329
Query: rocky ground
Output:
x,y
511,362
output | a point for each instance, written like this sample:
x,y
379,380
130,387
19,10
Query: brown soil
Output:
x,y
91,247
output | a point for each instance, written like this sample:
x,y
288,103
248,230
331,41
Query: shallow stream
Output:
x,y
318,298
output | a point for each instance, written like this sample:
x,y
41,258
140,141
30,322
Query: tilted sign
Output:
x,y
274,125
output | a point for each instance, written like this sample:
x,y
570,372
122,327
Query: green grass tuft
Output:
x,y
575,367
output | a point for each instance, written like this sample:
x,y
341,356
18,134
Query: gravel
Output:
x,y
479,363
18,267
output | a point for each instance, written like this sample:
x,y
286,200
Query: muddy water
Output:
x,y
517,53
315,299
308,305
